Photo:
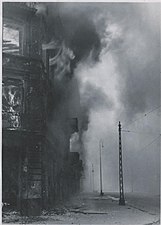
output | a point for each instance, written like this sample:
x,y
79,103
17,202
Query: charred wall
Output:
x,y
36,110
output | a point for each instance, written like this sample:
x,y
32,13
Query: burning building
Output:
x,y
38,114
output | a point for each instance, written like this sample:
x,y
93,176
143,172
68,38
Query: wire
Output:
x,y
143,116
131,131
151,142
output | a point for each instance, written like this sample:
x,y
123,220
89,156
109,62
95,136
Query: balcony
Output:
x,y
13,121
22,63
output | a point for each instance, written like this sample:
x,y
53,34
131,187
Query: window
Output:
x,y
12,95
12,38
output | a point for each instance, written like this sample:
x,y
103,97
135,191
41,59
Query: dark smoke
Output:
x,y
83,27
84,39
115,45
74,26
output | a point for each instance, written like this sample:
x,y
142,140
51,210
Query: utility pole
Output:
x,y
100,148
122,199
93,177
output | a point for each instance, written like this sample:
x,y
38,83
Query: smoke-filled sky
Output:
x,y
117,64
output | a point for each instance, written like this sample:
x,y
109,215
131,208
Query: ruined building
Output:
x,y
39,92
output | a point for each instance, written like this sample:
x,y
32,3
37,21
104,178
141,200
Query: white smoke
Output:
x,y
102,117
120,76
117,53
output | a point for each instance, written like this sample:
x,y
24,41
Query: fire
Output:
x,y
12,98
11,105
74,142
62,60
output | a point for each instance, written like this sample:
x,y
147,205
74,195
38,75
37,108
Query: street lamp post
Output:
x,y
100,149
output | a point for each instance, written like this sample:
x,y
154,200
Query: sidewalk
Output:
x,y
93,209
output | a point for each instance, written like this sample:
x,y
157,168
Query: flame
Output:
x,y
62,59
11,105
74,142
10,93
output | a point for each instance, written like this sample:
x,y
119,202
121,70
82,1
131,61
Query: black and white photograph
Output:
x,y
81,110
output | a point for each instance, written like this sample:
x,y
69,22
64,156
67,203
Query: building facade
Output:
x,y
38,167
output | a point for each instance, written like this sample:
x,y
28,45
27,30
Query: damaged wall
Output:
x,y
47,172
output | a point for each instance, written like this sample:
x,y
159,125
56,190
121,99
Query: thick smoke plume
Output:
x,y
117,65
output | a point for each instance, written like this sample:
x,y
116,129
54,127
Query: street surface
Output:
x,y
93,209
